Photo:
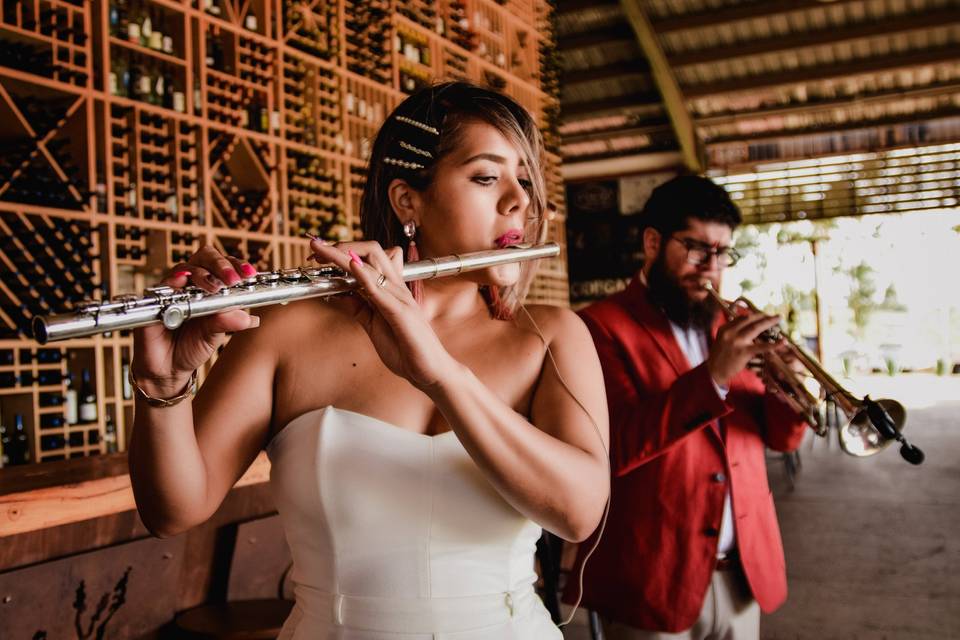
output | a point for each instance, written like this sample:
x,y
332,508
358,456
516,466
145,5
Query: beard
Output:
x,y
666,293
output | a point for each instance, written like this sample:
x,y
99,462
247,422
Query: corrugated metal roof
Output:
x,y
761,69
588,19
599,89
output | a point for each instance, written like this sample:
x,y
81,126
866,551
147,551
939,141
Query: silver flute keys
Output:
x,y
173,307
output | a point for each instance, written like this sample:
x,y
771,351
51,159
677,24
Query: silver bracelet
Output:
x,y
162,403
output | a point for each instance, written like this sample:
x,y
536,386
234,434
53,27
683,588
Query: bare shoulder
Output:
x,y
555,323
289,332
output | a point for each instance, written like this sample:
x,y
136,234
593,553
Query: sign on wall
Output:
x,y
604,236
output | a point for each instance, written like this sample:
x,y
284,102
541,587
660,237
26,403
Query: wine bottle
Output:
x,y
133,24
52,442
43,378
51,421
155,39
159,93
20,444
51,399
72,406
88,399
146,27
117,9
125,379
47,356
110,435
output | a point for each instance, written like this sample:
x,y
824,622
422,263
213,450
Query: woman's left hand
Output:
x,y
398,329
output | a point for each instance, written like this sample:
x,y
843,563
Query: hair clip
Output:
x,y
417,124
410,147
403,163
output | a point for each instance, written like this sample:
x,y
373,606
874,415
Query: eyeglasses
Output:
x,y
699,253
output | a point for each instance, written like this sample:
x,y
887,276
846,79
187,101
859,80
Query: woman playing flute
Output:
x,y
419,435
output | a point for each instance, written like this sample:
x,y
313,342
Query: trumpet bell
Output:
x,y
864,426
861,438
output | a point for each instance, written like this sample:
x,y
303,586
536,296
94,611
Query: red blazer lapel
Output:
x,y
655,323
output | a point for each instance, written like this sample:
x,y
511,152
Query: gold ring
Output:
x,y
382,281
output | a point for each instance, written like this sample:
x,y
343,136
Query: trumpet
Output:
x,y
864,426
173,307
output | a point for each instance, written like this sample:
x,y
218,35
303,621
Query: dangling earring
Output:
x,y
410,230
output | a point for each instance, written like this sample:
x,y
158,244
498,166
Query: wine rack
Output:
x,y
47,38
311,105
136,131
313,29
366,34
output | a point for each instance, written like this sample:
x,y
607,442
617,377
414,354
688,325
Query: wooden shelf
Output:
x,y
146,51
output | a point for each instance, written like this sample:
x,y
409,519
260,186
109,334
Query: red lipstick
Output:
x,y
511,237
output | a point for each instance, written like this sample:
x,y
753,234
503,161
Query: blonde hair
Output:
x,y
432,121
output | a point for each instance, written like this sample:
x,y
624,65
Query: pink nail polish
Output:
x,y
181,274
355,258
311,236
248,270
231,275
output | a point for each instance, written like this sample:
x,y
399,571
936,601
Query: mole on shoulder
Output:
x,y
354,364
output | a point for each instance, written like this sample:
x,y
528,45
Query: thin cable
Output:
x,y
606,459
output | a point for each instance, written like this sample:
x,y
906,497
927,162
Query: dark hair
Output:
x,y
423,129
673,203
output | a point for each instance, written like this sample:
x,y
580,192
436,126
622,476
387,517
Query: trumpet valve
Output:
x,y
771,335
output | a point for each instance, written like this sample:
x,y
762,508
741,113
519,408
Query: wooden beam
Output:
x,y
618,33
606,106
620,153
830,35
745,11
621,165
879,97
613,71
569,7
692,150
618,132
783,134
865,66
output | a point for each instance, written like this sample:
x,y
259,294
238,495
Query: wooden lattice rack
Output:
x,y
135,131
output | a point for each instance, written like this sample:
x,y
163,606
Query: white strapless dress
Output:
x,y
396,534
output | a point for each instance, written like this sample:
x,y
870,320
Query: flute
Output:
x,y
173,307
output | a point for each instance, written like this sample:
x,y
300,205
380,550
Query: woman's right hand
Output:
x,y
164,360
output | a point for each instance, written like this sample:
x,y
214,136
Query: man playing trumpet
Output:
x,y
692,547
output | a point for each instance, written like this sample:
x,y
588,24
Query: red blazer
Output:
x,y
671,468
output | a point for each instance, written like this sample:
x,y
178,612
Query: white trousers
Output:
x,y
729,612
